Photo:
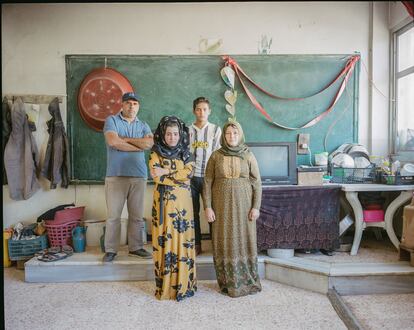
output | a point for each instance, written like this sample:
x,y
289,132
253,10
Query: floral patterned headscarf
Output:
x,y
182,149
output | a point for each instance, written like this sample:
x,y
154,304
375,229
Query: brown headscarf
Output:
x,y
241,149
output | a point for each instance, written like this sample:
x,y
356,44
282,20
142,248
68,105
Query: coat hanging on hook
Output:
x,y
7,128
56,164
21,157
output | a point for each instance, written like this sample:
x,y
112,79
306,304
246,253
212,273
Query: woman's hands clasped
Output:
x,y
254,214
159,171
210,215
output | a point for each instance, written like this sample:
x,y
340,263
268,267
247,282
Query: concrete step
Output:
x,y
347,278
88,266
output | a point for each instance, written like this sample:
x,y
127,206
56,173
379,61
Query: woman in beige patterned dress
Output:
x,y
232,196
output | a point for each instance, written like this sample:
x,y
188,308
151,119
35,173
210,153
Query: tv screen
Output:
x,y
277,161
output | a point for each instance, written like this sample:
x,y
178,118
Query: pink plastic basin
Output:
x,y
373,215
67,215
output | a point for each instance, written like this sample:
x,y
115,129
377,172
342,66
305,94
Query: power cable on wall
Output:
x,y
348,103
373,84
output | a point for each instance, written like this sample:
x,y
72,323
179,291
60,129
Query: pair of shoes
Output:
x,y
141,253
308,251
109,256
54,253
326,252
198,249
51,250
52,257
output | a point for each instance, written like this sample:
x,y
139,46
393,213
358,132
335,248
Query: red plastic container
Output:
x,y
373,207
61,234
67,215
373,215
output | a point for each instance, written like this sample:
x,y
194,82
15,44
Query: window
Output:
x,y
403,90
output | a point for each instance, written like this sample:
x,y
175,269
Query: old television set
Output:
x,y
277,162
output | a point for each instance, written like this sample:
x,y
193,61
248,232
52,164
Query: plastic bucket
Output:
x,y
281,253
94,232
373,215
321,158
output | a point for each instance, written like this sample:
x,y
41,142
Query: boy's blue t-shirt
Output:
x,y
126,163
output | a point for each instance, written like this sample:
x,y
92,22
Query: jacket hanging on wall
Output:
x,y
56,164
7,127
21,157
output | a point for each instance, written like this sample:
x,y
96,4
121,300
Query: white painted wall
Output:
x,y
398,15
380,78
36,37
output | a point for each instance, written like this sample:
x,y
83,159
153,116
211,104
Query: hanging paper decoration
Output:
x,y
231,109
344,74
228,75
230,96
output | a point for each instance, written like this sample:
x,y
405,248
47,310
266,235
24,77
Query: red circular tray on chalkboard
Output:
x,y
100,96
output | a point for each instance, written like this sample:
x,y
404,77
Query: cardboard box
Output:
x,y
310,178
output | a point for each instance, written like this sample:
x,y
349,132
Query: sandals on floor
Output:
x,y
52,257
67,249
54,253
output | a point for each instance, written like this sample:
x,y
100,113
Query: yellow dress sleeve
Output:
x,y
256,182
175,177
208,181
183,174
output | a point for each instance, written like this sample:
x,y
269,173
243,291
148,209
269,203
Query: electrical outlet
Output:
x,y
303,143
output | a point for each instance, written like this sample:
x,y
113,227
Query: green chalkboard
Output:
x,y
168,85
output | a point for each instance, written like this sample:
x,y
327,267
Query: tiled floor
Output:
x,y
131,305
394,311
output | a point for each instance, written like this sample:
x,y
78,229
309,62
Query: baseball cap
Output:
x,y
130,96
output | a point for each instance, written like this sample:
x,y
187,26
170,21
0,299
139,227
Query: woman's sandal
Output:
x,y
67,249
54,253
52,257
51,250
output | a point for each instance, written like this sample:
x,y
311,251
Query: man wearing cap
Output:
x,y
126,139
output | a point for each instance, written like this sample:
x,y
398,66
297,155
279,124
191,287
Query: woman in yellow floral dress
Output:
x,y
232,195
171,167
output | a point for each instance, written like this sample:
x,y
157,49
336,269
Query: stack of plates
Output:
x,y
350,155
343,160
407,170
